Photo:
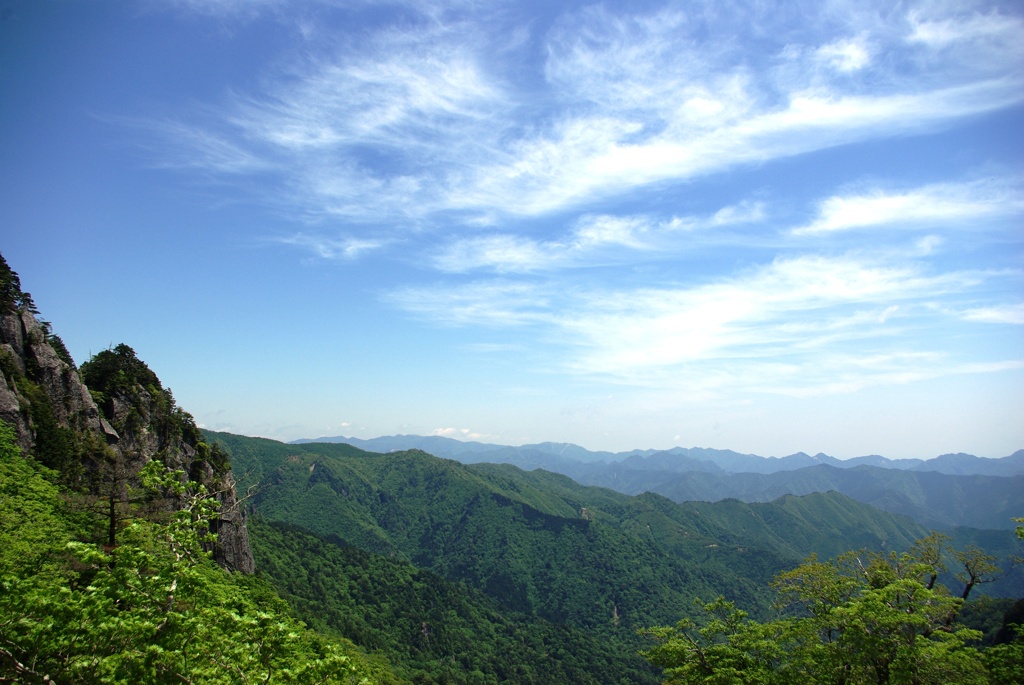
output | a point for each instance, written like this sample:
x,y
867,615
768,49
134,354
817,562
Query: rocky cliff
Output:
x,y
99,436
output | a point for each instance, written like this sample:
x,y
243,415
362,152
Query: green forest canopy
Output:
x,y
870,619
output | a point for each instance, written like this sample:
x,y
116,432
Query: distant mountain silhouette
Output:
x,y
948,490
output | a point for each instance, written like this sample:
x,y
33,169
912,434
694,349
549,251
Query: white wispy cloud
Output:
x,y
615,231
786,326
410,123
503,253
789,304
745,212
177,144
459,433
844,374
501,303
941,204
410,86
593,240
1007,313
586,158
967,26
333,248
246,8
845,55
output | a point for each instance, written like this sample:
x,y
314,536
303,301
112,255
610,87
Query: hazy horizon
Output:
x,y
639,448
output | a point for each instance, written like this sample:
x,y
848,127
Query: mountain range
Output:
x,y
536,551
942,492
547,454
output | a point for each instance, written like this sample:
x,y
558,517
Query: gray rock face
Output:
x,y
12,336
10,407
72,404
232,550
131,436
25,349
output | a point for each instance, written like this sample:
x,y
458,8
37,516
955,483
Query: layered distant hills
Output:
x,y
402,550
488,563
546,454
942,492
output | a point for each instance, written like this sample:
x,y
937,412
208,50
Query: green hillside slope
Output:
x,y
527,562
541,545
433,630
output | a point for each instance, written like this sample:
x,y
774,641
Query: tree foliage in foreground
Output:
x,y
860,619
153,609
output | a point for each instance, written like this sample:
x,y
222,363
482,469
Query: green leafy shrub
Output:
x,y
858,620
153,609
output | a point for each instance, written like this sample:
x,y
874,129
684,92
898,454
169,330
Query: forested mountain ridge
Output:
x,y
935,500
421,508
947,491
549,553
551,456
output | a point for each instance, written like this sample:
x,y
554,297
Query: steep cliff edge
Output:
x,y
98,426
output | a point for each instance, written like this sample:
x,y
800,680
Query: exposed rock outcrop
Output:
x,y
25,349
101,447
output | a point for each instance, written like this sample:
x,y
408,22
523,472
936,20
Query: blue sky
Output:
x,y
769,227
